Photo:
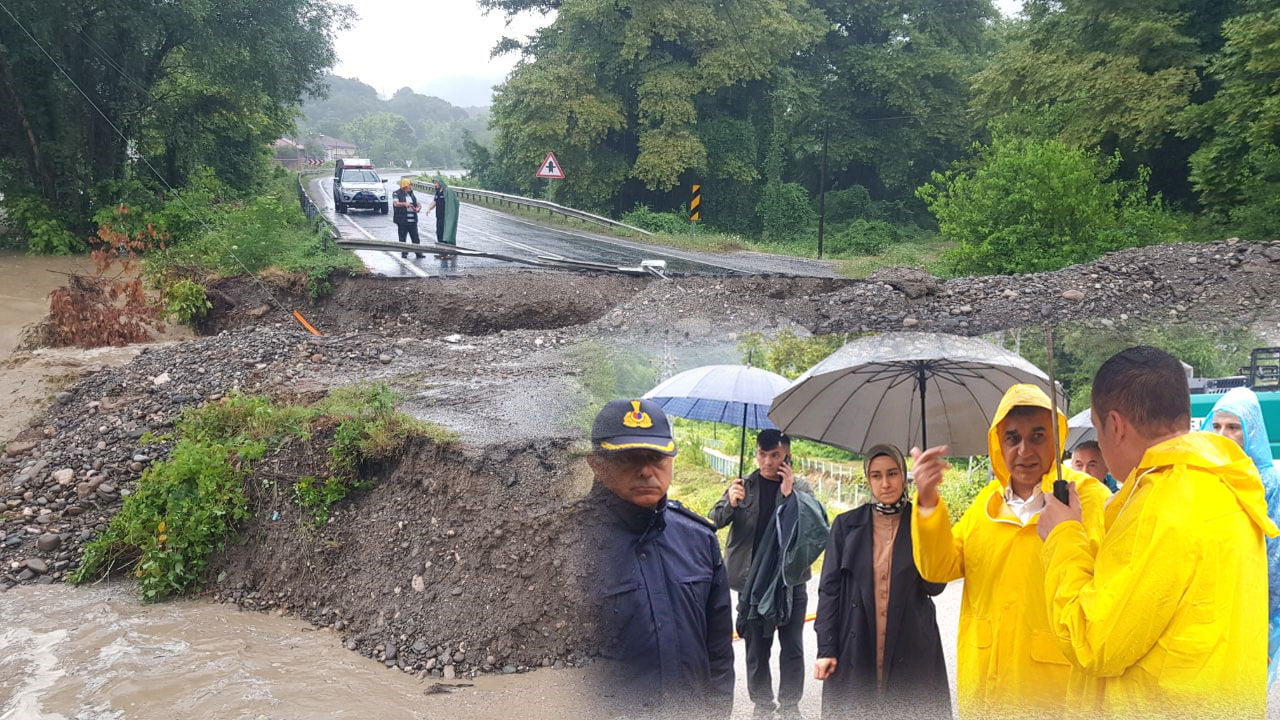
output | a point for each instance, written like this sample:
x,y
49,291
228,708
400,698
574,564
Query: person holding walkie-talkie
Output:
x,y
1008,663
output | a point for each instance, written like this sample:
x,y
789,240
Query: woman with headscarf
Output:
x,y
1238,416
879,651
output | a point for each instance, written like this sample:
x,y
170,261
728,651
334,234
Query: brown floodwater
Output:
x,y
97,653
25,284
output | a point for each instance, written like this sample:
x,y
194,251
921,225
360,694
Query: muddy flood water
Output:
x,y
97,653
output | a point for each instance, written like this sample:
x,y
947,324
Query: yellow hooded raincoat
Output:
x,y
1168,615
1008,662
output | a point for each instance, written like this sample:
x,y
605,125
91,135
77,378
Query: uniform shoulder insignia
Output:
x,y
676,506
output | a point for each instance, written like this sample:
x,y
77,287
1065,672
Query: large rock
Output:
x,y
912,282
64,476
18,447
48,542
37,565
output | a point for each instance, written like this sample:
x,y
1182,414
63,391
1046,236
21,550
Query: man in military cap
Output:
x,y
655,573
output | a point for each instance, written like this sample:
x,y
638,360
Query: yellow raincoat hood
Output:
x,y
1216,455
1018,395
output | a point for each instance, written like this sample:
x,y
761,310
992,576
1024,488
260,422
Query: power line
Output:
x,y
208,228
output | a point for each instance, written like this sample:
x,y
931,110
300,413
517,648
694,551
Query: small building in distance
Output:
x,y
335,148
289,154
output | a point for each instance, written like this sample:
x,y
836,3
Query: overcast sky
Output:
x,y
446,44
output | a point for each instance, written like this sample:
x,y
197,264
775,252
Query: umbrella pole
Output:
x,y
923,383
1060,490
742,443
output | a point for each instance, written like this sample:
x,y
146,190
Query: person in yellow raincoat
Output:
x,y
1167,616
1008,662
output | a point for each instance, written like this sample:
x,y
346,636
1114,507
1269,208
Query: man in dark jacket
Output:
x,y
661,592
747,507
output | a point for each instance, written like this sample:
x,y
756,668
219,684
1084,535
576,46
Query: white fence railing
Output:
x,y
827,477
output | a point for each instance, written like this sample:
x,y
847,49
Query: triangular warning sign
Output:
x,y
550,168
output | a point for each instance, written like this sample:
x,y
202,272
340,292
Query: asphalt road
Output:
x,y
948,605
481,228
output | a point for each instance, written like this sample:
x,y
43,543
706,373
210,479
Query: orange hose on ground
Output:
x,y
298,316
807,618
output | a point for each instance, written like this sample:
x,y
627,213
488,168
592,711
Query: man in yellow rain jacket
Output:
x,y
1008,662
1167,616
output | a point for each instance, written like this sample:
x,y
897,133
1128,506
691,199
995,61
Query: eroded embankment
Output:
x,y
1188,282
452,561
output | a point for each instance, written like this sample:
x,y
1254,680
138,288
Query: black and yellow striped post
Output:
x,y
695,204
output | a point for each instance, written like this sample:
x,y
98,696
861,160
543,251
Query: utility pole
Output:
x,y
822,190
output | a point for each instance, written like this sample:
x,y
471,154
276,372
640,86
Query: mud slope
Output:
x,y
448,561
470,305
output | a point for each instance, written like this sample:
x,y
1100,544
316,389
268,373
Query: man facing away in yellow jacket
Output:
x,y
1167,616
1008,662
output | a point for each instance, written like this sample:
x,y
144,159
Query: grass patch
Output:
x,y
229,235
928,253
185,508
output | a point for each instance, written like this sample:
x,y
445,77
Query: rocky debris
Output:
x,y
403,566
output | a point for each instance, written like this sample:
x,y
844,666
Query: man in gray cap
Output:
x,y
656,575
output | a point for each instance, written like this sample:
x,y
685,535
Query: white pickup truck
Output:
x,y
357,185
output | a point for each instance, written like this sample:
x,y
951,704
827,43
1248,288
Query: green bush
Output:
x,y
45,231
186,507
229,236
668,223
786,214
865,237
1037,205
851,203
185,301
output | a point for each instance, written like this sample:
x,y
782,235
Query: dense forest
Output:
x,y
1023,143
425,130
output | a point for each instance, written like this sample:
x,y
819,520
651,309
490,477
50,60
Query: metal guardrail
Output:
x,y
313,212
538,205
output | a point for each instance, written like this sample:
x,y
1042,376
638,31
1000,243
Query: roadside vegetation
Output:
x,y
953,138
225,459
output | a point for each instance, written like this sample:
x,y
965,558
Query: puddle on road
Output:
x,y
99,654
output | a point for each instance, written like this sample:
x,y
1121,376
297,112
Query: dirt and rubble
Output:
x,y
451,563
1191,282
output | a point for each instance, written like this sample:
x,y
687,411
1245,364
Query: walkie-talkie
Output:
x,y
1060,490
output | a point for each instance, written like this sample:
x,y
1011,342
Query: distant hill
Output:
x,y
408,126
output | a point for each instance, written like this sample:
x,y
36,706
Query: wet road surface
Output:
x,y
481,228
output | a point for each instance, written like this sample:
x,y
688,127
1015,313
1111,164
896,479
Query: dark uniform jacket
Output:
x,y
402,215
742,522
915,671
662,607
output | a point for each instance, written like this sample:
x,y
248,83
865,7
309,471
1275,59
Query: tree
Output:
x,y
1036,205
1237,168
1125,72
624,105
887,84
385,137
172,77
